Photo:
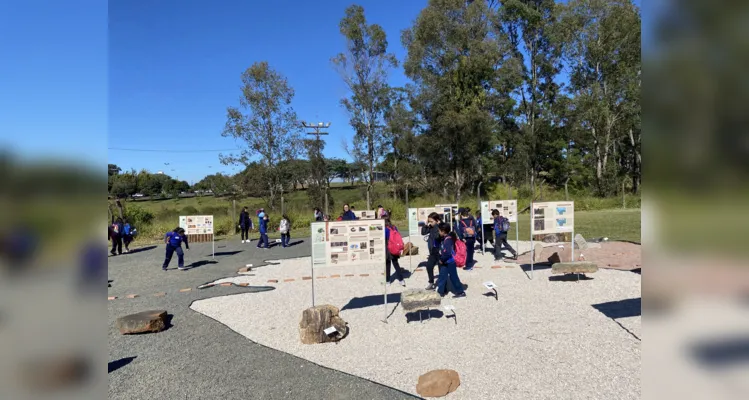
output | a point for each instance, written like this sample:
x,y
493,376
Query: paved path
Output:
x,y
199,358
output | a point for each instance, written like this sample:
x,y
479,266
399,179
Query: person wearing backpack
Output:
x,y
394,246
245,224
449,262
467,227
263,228
284,227
433,245
116,236
501,226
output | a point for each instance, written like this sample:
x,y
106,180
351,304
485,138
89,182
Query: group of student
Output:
x,y
245,225
121,232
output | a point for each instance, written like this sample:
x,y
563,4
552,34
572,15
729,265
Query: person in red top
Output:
x,y
389,258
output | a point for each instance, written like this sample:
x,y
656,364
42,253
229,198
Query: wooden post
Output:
x,y
234,214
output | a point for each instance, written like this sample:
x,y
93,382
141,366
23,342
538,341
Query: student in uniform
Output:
x,y
467,228
448,268
389,258
173,242
263,228
127,235
433,244
245,224
116,236
348,215
285,228
501,241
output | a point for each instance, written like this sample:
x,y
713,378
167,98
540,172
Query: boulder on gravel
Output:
x,y
418,299
577,267
410,249
142,322
438,383
538,250
314,322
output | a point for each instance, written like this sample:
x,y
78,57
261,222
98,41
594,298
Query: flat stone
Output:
x,y
142,322
226,284
419,299
577,267
410,249
160,294
112,298
363,274
131,296
538,250
314,322
244,270
306,278
289,280
185,290
438,383
272,280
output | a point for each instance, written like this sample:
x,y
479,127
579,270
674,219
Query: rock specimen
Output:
x,y
577,267
538,250
580,242
418,299
409,249
314,322
142,322
438,383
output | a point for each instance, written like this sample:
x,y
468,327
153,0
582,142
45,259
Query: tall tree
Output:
x,y
531,27
266,122
603,49
364,67
399,136
454,57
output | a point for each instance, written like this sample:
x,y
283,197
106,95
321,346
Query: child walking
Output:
x,y
173,242
391,258
467,227
448,268
263,228
433,244
284,227
501,225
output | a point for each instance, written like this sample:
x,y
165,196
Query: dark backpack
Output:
x,y
504,224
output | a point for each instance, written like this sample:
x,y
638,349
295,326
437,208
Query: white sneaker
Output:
x,y
402,282
243,241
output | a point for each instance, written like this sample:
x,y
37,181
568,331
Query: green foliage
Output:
x,y
138,216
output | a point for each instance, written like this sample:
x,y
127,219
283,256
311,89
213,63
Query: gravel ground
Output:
x,y
544,338
199,358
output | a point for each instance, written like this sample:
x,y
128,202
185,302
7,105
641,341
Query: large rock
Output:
x,y
577,267
314,322
417,299
538,250
142,322
410,249
438,383
580,242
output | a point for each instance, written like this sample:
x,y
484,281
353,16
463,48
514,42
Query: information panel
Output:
x,y
423,213
348,242
197,224
413,223
553,217
506,208
366,214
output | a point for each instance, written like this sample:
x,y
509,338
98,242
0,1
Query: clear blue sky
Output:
x,y
175,67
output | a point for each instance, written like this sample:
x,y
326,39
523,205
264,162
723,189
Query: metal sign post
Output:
x,y
533,249
386,299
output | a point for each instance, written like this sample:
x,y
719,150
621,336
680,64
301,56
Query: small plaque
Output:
x,y
490,285
331,330
449,307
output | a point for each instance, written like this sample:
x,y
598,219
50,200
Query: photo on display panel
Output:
x,y
538,225
538,212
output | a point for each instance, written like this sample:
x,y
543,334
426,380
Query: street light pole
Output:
x,y
317,131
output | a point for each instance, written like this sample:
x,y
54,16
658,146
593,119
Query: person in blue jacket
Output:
x,y
127,235
448,268
173,242
263,228
467,230
348,215
501,236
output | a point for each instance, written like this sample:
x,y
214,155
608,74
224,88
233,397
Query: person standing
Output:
x,y
348,215
318,215
380,214
448,267
127,235
285,227
501,225
467,233
116,236
173,242
391,258
433,244
245,223
263,228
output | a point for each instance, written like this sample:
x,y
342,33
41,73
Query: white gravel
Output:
x,y
542,339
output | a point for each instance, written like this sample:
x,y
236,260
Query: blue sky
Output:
x,y
174,67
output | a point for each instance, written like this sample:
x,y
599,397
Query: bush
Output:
x,y
189,210
138,216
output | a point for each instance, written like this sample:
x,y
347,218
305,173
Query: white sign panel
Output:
x,y
348,242
366,214
197,224
553,217
506,208
413,223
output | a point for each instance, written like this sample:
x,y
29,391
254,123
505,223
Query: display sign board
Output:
x,y
506,208
423,213
413,222
552,217
366,214
197,224
348,242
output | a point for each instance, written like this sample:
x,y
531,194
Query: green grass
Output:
x,y
612,223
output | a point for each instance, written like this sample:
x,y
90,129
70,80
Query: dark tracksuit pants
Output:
x,y
116,244
245,232
128,239
391,259
170,250
500,243
470,249
434,257
263,241
285,237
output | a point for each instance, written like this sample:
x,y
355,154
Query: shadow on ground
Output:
x,y
369,301
117,364
621,309
569,278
